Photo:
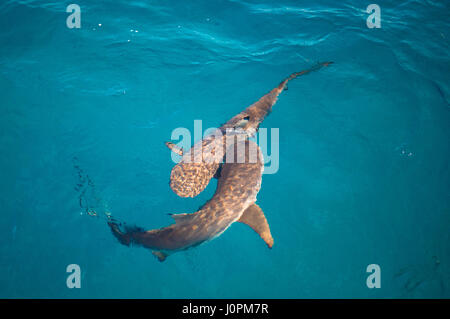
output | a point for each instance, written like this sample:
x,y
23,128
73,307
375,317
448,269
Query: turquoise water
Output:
x,y
364,173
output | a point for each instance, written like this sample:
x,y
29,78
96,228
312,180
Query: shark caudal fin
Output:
x,y
316,67
125,236
254,217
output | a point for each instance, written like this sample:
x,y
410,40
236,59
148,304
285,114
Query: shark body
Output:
x,y
239,181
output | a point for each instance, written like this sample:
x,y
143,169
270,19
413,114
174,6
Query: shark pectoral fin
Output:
x,y
254,217
217,174
160,255
176,149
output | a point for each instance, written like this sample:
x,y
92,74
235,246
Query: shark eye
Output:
x,y
247,118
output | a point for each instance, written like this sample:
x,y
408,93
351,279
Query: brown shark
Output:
x,y
239,181
234,200
197,166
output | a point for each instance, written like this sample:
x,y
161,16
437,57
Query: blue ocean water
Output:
x,y
364,173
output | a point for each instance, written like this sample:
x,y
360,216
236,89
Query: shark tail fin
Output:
x,y
316,67
254,217
174,148
126,235
124,238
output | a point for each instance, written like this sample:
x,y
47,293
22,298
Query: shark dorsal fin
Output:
x,y
254,217
179,218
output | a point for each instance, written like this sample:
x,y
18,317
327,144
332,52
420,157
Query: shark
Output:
x,y
234,201
238,164
199,165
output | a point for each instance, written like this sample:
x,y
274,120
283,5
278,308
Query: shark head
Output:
x,y
248,121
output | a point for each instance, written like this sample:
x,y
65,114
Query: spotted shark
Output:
x,y
236,162
197,166
234,201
